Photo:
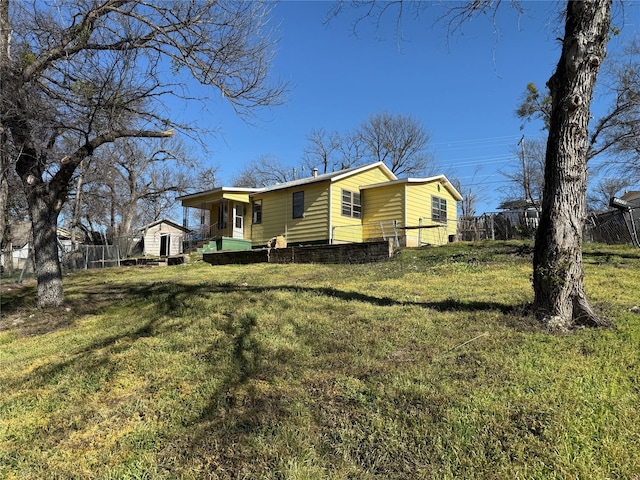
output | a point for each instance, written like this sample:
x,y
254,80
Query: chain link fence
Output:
x,y
498,226
84,257
615,227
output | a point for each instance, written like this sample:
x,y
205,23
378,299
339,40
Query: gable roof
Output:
x,y
441,178
164,220
331,176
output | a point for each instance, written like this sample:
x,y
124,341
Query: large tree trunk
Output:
x,y
558,275
44,221
5,33
4,188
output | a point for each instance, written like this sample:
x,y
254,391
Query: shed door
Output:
x,y
165,245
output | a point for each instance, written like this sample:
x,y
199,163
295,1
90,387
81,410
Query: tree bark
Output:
x,y
44,220
5,32
558,274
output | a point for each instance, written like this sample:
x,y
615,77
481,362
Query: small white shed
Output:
x,y
163,238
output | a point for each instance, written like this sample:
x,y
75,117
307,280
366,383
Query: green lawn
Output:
x,y
426,366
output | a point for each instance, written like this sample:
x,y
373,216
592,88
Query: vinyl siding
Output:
x,y
348,229
419,207
381,206
152,239
277,215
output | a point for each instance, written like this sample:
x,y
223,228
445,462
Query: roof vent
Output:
x,y
314,172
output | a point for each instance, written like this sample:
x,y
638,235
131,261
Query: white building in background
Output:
x,y
163,238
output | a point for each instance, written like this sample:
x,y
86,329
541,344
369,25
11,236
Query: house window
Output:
x,y
351,204
438,209
298,204
256,208
223,215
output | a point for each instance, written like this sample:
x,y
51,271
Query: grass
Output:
x,y
426,366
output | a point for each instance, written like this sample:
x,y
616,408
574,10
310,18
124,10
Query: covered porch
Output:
x,y
220,218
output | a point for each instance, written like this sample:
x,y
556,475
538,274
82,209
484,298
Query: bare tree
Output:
x,y
335,151
352,148
81,74
5,35
599,197
526,181
469,199
129,184
399,141
615,134
141,182
321,150
264,171
618,132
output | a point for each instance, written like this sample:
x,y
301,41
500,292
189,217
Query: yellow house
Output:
x,y
359,204
312,210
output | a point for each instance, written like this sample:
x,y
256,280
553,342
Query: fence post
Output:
x,y
395,233
634,232
493,230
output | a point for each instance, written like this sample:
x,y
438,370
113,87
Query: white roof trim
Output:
x,y
220,189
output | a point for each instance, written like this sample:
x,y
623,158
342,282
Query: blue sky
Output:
x,y
463,88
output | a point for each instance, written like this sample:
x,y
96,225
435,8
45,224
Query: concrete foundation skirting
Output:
x,y
344,253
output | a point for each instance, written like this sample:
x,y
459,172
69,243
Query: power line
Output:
x,y
456,142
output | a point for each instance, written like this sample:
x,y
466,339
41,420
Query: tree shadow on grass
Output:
x,y
248,402
447,305
169,298
19,310
245,400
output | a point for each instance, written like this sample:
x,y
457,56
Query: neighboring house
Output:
x,y
521,213
358,204
632,196
18,246
65,243
163,238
